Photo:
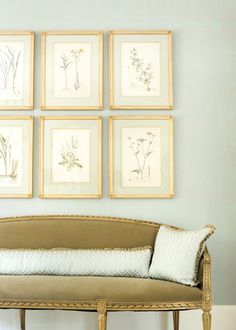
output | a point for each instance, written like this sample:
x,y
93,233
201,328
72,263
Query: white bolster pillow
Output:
x,y
85,262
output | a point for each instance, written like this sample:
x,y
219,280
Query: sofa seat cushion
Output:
x,y
89,289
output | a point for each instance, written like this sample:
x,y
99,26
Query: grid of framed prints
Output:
x,y
141,70
141,157
16,70
16,156
70,165
70,157
72,70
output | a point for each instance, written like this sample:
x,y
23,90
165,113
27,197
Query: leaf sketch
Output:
x,y
9,63
72,57
69,155
65,64
141,149
143,71
76,55
10,166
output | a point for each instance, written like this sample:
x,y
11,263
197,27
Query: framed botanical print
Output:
x,y
72,70
70,157
140,70
141,157
16,70
16,157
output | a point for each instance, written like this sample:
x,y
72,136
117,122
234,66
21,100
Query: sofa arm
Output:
x,y
205,280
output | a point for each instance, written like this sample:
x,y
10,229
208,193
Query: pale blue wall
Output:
x,y
205,114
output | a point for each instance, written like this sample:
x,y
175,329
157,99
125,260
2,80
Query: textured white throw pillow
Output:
x,y
177,254
98,262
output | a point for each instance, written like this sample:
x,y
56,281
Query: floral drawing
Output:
x,y
141,149
9,63
69,155
143,71
76,56
71,58
8,165
65,64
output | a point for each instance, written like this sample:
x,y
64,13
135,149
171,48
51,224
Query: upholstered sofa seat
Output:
x,y
92,293
65,289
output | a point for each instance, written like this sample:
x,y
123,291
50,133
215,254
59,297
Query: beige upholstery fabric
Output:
x,y
75,232
89,289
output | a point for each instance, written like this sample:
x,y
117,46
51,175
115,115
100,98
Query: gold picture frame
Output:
x,y
67,169
73,96
16,151
140,70
17,71
141,157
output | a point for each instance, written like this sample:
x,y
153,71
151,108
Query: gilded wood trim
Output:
x,y
42,84
102,314
145,32
31,100
176,320
94,305
22,318
79,218
206,297
206,318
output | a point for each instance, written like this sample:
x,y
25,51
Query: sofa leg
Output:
x,y
176,320
206,318
102,314
22,318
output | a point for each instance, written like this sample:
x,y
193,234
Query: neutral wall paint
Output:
x,y
204,117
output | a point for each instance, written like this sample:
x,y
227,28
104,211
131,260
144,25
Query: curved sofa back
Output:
x,y
76,232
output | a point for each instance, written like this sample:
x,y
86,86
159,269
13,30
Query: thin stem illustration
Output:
x,y
76,56
141,150
4,68
64,66
14,61
9,63
144,72
6,156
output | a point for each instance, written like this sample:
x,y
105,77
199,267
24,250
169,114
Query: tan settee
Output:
x,y
101,294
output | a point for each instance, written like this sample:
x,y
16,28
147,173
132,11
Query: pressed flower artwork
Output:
x,y
140,65
72,77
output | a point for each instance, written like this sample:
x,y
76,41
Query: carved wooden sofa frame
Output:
x,y
93,232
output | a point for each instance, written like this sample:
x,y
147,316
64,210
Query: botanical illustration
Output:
x,y
72,70
140,69
141,156
144,71
11,70
10,156
70,155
